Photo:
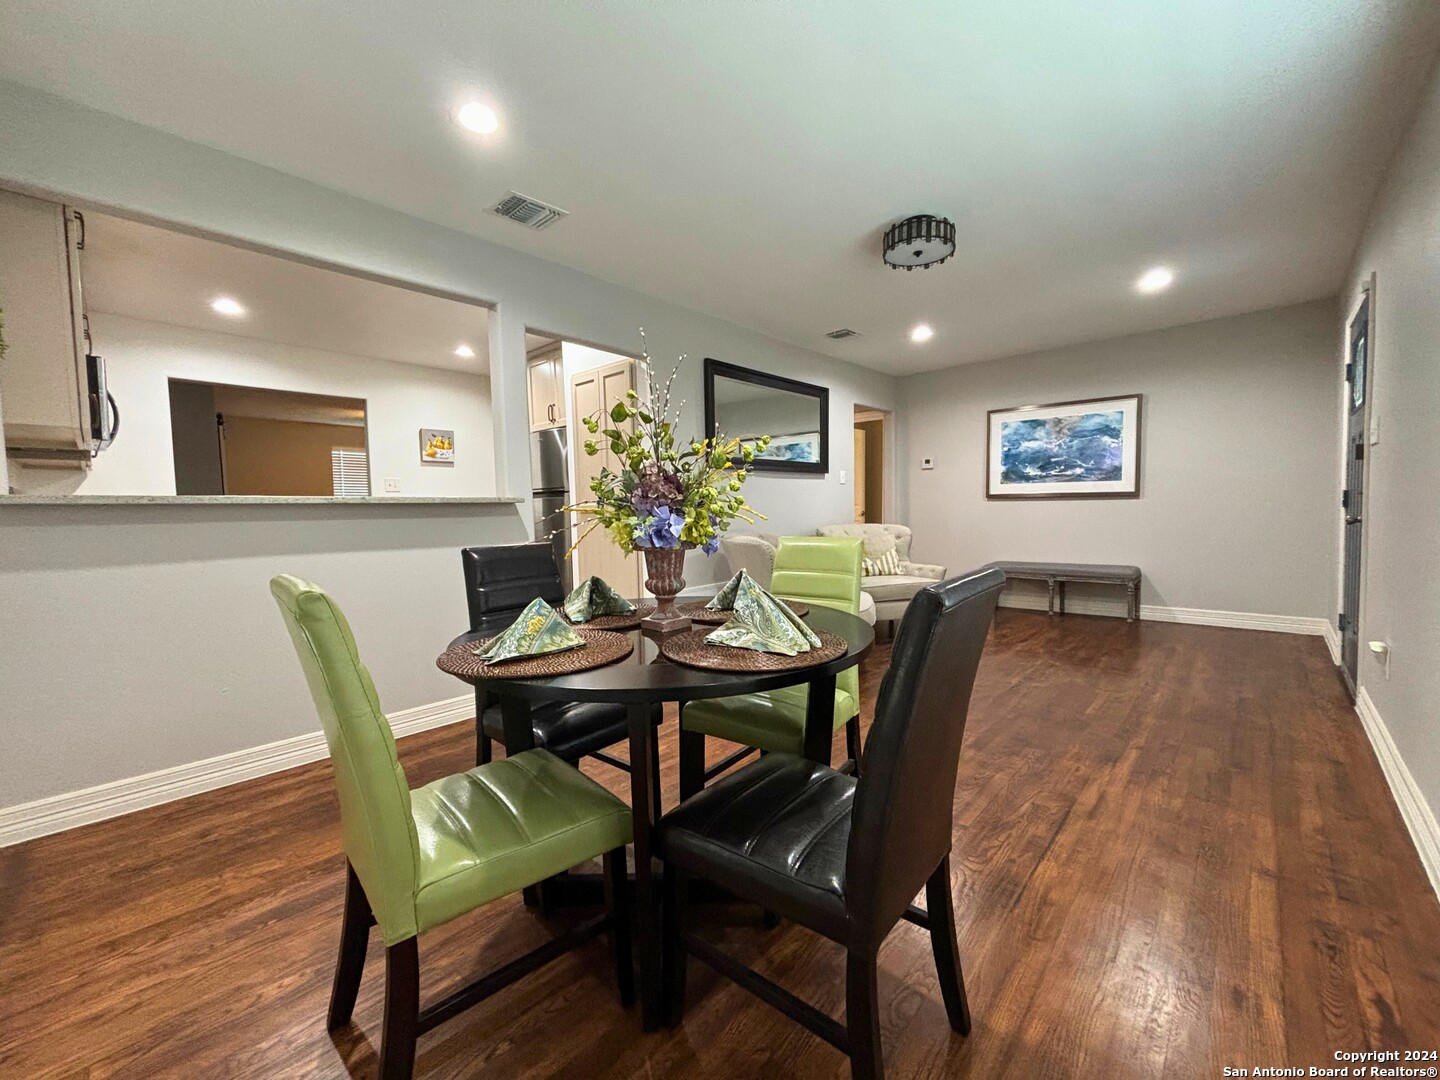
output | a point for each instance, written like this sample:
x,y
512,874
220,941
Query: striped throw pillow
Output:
x,y
882,565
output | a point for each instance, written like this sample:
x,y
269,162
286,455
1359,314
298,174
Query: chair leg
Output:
x,y
862,1015
655,770
674,959
941,907
483,750
852,742
350,965
402,1010
692,763
617,899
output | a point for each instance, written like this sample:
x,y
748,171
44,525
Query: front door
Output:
x,y
1352,500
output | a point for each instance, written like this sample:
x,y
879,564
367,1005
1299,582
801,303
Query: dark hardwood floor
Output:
x,y
1174,851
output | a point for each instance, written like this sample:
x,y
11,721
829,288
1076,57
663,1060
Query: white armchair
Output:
x,y
753,553
892,593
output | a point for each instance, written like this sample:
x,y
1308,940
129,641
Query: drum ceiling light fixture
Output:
x,y
919,241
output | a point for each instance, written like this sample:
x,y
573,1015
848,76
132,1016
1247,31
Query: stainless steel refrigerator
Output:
x,y
550,493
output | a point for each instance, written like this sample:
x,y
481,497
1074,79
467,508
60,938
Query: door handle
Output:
x,y
1352,521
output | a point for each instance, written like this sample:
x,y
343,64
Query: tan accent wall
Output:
x,y
283,457
870,470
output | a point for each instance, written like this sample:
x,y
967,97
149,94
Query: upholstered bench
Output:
x,y
1055,575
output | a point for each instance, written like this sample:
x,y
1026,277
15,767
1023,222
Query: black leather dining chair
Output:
x,y
500,580
843,856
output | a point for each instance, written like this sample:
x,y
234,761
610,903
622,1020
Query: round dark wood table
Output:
x,y
642,681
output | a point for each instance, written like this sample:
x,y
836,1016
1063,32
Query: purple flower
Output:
x,y
660,531
655,488
711,546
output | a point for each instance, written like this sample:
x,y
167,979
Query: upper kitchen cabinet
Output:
x,y
546,371
44,386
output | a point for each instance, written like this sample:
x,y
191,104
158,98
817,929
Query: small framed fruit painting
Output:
x,y
436,446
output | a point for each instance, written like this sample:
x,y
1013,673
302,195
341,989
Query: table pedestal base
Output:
x,y
665,619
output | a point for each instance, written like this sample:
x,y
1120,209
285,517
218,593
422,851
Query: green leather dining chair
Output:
x,y
417,859
815,570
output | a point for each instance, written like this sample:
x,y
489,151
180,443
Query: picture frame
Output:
x,y
437,446
798,446
1085,449
746,404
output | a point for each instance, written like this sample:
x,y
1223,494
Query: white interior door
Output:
x,y
594,393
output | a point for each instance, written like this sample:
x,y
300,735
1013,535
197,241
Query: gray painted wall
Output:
x,y
187,660
1400,603
1237,505
137,638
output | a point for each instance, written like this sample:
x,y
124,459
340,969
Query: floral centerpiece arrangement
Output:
x,y
669,495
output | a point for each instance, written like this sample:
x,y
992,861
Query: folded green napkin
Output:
x,y
759,621
594,597
538,630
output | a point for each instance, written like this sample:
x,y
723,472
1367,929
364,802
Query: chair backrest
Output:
x,y
376,824
501,579
821,570
749,553
904,802
872,534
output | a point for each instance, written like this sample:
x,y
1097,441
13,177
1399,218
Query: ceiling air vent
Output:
x,y
842,333
532,213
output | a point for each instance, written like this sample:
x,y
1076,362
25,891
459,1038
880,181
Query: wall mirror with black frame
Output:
x,y
744,403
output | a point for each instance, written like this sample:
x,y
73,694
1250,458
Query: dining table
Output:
x,y
642,682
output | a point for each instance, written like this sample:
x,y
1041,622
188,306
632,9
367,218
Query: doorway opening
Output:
x,y
871,429
1352,499
568,381
252,440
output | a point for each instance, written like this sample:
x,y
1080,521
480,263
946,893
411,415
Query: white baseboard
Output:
x,y
1242,620
1419,818
1332,642
60,812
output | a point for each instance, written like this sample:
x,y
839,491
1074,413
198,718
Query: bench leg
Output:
x,y
1132,603
1062,598
1050,598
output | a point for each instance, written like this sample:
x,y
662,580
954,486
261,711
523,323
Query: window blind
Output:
x,y
350,472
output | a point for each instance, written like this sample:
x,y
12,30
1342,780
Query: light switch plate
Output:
x,y
392,486
842,476
927,463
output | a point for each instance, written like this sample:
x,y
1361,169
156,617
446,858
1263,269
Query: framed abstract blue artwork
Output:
x,y
1068,450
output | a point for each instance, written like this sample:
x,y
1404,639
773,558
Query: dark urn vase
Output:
x,y
665,577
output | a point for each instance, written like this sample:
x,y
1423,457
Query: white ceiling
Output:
x,y
164,276
743,158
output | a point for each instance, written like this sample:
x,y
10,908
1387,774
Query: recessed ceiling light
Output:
x,y
465,351
478,118
923,332
224,305
1155,279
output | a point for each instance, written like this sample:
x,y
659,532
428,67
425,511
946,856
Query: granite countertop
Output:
x,y
255,500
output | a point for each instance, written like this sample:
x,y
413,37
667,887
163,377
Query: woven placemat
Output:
x,y
601,647
699,613
614,622
691,649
